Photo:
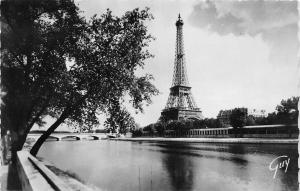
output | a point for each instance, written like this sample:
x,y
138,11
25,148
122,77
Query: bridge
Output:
x,y
69,136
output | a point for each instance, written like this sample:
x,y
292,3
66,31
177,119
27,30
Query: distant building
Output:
x,y
224,115
257,113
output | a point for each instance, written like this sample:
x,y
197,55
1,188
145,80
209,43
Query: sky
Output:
x,y
238,53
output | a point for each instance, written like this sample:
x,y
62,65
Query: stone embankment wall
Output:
x,y
35,176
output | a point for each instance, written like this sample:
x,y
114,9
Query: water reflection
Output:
x,y
238,154
113,165
184,167
180,170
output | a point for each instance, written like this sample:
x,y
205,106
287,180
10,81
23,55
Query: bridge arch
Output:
x,y
70,137
94,137
52,137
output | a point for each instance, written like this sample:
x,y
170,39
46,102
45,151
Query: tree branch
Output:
x,y
37,116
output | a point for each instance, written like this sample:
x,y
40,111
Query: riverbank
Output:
x,y
70,178
9,180
213,140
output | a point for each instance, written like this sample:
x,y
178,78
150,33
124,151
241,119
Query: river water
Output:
x,y
122,165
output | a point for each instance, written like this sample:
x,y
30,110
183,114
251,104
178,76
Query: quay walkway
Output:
x,y
31,174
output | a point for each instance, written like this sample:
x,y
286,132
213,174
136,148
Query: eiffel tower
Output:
x,y
180,104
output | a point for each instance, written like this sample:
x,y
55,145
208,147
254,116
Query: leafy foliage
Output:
x,y
37,36
212,123
137,132
287,111
41,36
238,117
250,120
181,125
120,119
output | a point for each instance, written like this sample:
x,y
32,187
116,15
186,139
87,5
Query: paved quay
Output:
x,y
213,140
3,177
8,180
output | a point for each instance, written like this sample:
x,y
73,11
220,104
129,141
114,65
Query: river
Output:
x,y
135,166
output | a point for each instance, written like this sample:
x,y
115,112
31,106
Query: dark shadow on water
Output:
x,y
217,147
182,149
237,149
194,154
179,163
181,172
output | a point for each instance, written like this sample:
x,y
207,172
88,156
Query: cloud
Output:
x,y
275,21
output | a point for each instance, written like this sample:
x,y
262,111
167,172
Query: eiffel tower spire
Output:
x,y
180,74
180,104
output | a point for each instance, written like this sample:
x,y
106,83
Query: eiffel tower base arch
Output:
x,y
180,114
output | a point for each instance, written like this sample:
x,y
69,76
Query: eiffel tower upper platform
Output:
x,y
180,104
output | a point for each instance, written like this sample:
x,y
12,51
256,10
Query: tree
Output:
x,y
37,36
188,124
104,70
199,124
160,128
287,111
119,119
150,128
177,125
137,132
106,51
250,120
238,117
263,120
212,123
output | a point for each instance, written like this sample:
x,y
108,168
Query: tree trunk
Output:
x,y
17,140
36,147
